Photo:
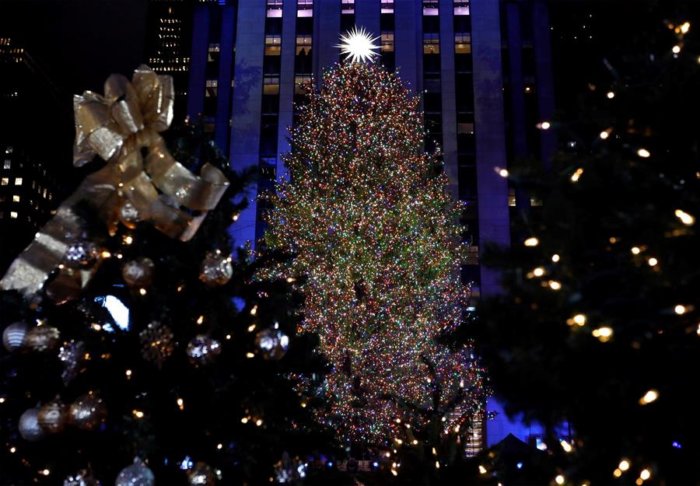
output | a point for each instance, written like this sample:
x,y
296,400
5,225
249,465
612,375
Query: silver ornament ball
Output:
x,y
202,350
139,272
14,335
29,427
138,474
81,254
201,475
216,269
272,343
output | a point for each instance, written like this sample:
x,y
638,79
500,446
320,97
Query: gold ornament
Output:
x,y
117,126
157,343
139,272
42,338
52,417
87,412
216,269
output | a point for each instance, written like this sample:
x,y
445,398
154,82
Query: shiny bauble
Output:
x,y
71,354
52,417
157,343
87,412
128,215
138,272
272,343
201,475
81,254
14,335
202,350
138,474
42,338
29,427
81,478
216,269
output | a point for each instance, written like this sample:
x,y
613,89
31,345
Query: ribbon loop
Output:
x,y
116,127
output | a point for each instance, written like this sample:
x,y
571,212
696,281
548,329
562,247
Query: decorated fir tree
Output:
x,y
124,343
377,252
598,323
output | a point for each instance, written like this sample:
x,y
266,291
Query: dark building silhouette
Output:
x,y
27,188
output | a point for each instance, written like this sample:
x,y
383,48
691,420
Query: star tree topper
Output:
x,y
358,45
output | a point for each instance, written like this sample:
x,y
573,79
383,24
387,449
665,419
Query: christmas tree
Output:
x,y
598,323
377,253
133,354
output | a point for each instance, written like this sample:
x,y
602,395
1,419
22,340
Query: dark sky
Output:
x,y
80,42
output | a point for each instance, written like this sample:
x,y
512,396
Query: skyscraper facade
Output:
x,y
481,67
27,190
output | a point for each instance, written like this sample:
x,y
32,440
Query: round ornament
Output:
x,y
202,350
29,427
81,254
42,338
71,355
201,475
128,215
216,269
138,474
81,478
87,412
272,343
157,343
14,335
139,272
52,417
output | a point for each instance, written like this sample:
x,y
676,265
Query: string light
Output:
x,y
578,319
604,334
636,250
365,237
137,413
685,218
180,404
643,153
610,95
649,397
676,49
555,258
652,262
554,285
624,465
645,474
577,175
532,241
680,309
538,272
605,134
559,479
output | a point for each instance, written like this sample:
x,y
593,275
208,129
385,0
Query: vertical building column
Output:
x,y
223,101
286,109
326,38
545,79
246,108
367,15
518,119
447,88
489,121
198,63
408,43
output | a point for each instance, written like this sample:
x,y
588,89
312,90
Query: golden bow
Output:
x,y
117,127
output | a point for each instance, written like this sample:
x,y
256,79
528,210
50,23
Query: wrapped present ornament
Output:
x,y
120,127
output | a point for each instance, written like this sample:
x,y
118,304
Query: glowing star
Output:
x,y
358,45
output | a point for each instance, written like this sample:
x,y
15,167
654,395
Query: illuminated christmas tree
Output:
x,y
378,250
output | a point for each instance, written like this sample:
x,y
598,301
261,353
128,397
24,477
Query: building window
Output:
x,y
274,8
463,43
347,6
15,198
305,8
7,164
465,129
4,181
299,83
213,52
271,85
387,42
387,6
461,7
273,44
431,7
303,44
431,44
13,214
18,181
212,88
